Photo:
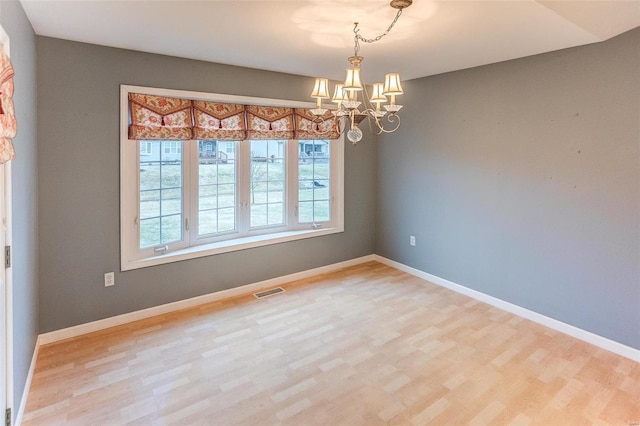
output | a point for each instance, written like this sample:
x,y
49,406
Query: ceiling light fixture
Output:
x,y
348,114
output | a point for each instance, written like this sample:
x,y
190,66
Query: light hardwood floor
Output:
x,y
365,345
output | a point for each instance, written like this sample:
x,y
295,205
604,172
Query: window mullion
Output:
x,y
192,192
186,173
337,182
292,184
244,186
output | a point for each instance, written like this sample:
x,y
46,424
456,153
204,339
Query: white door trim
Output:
x,y
7,299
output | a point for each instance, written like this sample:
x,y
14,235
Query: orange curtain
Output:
x,y
8,124
308,126
159,117
219,121
264,122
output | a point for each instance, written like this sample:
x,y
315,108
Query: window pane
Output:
x,y
259,215
208,221
149,232
259,194
276,185
275,213
275,195
151,173
208,175
321,171
321,211
171,175
171,149
305,190
227,172
314,181
149,203
267,183
226,195
171,227
160,193
275,169
226,219
321,190
145,148
208,197
305,211
217,187
171,201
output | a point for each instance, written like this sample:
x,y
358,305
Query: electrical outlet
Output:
x,y
109,279
412,240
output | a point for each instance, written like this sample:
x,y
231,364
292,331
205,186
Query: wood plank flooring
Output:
x,y
365,345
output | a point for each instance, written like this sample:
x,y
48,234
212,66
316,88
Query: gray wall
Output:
x,y
24,208
521,180
78,123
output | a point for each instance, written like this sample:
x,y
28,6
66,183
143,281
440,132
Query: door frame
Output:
x,y
6,297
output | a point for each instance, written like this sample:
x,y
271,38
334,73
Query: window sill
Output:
x,y
228,246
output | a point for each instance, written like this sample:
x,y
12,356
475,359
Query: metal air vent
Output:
x,y
268,293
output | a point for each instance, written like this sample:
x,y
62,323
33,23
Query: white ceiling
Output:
x,y
314,37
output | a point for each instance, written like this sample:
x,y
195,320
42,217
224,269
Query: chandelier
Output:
x,y
348,114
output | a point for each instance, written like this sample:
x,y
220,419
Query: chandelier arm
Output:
x,y
371,117
392,118
378,125
341,124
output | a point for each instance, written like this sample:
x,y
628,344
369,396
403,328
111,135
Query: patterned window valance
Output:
x,y
310,127
166,118
8,125
159,117
266,122
219,121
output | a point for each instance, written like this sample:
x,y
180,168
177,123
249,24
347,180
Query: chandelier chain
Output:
x,y
373,40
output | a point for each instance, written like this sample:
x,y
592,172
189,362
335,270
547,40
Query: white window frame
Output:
x,y
192,246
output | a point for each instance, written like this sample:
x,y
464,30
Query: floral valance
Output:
x,y
159,117
265,122
166,118
8,124
218,121
310,127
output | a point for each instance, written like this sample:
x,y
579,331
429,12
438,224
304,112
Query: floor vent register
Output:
x,y
267,293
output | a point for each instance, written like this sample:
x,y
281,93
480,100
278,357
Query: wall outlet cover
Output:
x,y
109,279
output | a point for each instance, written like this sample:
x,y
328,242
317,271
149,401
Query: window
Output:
x,y
172,148
160,205
217,192
267,183
314,183
182,199
145,148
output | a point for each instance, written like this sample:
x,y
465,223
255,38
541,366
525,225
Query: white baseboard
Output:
x,y
27,384
578,333
78,330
